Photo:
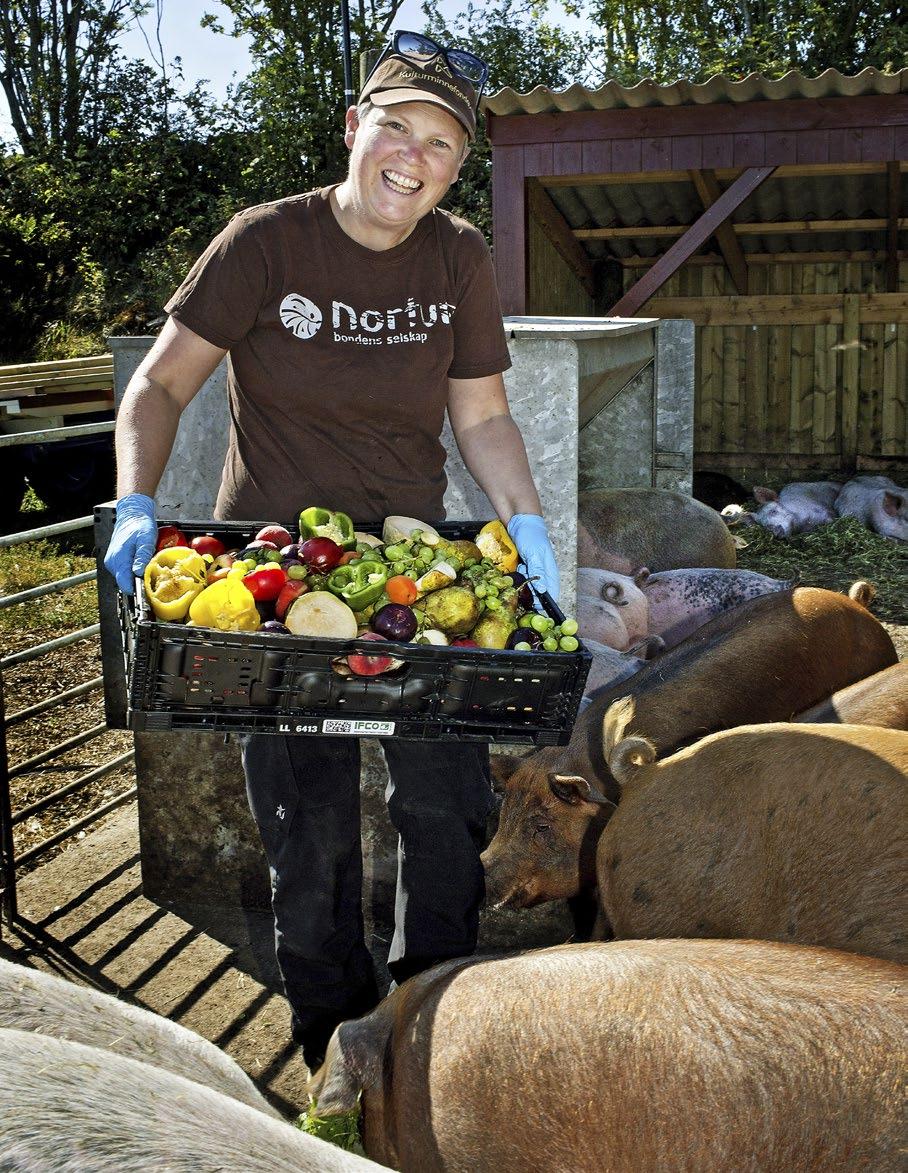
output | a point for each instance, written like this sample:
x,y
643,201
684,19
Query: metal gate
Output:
x,y
9,818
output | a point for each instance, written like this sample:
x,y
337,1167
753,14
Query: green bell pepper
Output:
x,y
358,583
323,523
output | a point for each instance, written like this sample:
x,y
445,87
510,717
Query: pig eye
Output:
x,y
542,832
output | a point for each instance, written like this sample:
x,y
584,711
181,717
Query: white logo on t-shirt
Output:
x,y
301,316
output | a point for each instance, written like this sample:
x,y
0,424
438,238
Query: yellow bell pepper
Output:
x,y
226,605
173,578
495,543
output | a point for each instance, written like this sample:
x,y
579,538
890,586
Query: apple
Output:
x,y
206,544
292,589
463,642
276,534
216,573
364,665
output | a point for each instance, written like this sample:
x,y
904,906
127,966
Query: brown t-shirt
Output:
x,y
340,357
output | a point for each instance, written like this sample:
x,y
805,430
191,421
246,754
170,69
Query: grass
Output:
x,y
33,564
341,1130
834,556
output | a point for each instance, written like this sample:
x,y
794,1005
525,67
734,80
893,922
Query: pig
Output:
x,y
31,1000
622,529
879,503
611,608
765,660
784,832
71,1108
799,508
631,1057
680,601
881,699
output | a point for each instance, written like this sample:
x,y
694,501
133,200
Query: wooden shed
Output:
x,y
770,213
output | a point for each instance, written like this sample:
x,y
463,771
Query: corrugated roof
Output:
x,y
754,88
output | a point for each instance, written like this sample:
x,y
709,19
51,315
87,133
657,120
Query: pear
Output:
x,y
453,610
493,630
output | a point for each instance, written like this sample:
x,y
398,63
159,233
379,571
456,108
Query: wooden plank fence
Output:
x,y
809,370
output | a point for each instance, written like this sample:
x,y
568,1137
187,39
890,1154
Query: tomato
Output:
x,y
206,544
265,583
170,535
401,589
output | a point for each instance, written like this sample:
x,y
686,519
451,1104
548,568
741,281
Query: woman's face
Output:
x,y
402,161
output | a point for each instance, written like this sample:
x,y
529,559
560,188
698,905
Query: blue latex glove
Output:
x,y
537,558
133,540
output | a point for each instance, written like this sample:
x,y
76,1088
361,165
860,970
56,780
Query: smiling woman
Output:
x,y
355,316
403,159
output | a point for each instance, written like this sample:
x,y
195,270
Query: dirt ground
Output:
x,y
82,912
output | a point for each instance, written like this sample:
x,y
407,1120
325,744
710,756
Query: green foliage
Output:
x,y
695,39
290,109
522,51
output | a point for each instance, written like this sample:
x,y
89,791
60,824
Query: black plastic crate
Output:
x,y
185,678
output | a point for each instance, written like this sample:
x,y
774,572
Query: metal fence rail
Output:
x,y
9,861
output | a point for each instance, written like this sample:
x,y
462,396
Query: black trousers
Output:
x,y
304,796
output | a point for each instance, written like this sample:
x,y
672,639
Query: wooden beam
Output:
x,y
709,191
752,462
817,258
558,231
723,174
643,289
748,228
871,111
805,309
893,201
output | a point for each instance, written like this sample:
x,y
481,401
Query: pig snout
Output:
x,y
509,881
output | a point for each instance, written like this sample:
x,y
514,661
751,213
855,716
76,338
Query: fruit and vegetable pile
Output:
x,y
333,582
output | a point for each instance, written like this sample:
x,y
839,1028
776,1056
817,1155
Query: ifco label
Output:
x,y
359,728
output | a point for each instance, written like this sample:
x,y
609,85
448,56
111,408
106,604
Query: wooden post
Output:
x,y
851,359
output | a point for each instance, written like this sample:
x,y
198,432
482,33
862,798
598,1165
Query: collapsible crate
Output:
x,y
193,678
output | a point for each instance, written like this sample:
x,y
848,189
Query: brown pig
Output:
x,y
631,1057
881,699
765,660
783,832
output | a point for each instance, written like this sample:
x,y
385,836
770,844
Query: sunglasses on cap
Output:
x,y
419,48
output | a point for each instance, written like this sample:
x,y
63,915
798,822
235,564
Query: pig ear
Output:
x,y
502,766
574,789
641,576
893,503
764,495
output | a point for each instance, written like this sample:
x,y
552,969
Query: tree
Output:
x,y
522,51
695,39
54,57
291,106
